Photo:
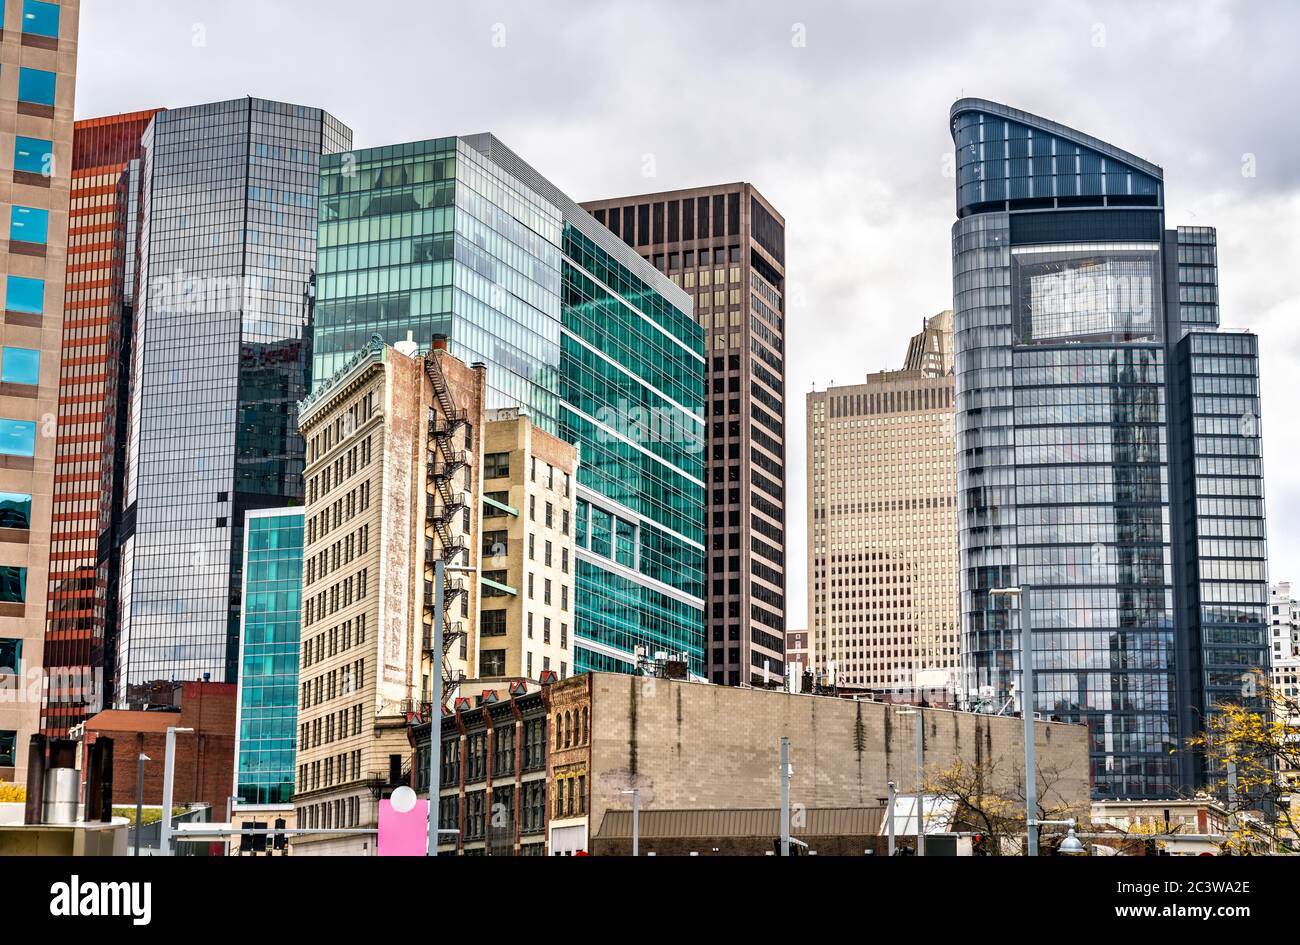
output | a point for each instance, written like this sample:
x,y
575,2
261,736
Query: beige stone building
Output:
x,y
38,70
882,529
525,620
391,483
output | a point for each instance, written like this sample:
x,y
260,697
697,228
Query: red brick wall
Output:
x,y
205,760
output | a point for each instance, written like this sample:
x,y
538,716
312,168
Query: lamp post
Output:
x,y
636,820
889,808
440,569
1070,846
1026,711
169,770
920,771
139,797
785,796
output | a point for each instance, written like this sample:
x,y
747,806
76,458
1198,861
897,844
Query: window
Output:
x,y
13,584
41,18
25,295
492,623
11,652
17,437
15,510
20,366
496,465
492,663
36,86
28,224
34,155
8,749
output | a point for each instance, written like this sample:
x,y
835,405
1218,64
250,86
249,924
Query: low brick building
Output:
x,y
688,746
205,759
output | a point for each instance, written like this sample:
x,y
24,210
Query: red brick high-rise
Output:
x,y
92,353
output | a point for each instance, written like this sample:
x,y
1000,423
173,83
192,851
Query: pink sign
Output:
x,y
403,825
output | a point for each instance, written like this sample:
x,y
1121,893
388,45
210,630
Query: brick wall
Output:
x,y
693,746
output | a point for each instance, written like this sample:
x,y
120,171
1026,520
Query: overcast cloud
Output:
x,y
836,111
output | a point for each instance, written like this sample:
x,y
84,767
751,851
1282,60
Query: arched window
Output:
x,y
586,731
568,729
559,733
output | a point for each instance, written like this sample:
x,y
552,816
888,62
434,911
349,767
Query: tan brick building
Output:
x,y
525,624
379,435
882,524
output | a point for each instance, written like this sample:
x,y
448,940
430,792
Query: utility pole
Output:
x,y
889,812
139,798
435,708
1027,712
785,796
169,770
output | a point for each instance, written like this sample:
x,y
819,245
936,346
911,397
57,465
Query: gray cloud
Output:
x,y
846,134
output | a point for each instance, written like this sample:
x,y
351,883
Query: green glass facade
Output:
x,y
457,236
268,675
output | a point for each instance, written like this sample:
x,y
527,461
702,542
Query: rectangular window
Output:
x,y
15,510
34,155
41,18
36,86
492,623
491,663
25,295
9,749
13,584
17,437
28,224
11,654
20,366
495,466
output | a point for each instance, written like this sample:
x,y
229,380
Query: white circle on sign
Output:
x,y
403,799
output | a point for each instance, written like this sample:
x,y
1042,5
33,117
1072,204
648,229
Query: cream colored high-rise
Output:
x,y
526,592
368,551
38,68
882,531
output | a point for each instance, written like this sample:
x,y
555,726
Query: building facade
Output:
x,y
882,549
270,629
688,746
459,237
393,483
1108,448
725,246
93,327
219,360
38,70
526,604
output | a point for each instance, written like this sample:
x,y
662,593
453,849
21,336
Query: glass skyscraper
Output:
x,y
219,360
267,710
1108,448
459,237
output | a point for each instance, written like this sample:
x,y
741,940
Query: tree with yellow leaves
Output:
x,y
1253,748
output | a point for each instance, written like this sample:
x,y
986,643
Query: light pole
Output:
x,y
139,798
1026,711
920,770
169,769
889,809
785,796
636,819
440,569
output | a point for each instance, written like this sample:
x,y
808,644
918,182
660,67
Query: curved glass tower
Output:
x,y
1075,331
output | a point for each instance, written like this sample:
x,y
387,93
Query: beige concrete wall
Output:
x,y
690,745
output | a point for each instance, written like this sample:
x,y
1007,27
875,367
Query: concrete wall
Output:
x,y
689,745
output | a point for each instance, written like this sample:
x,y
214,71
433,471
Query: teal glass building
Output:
x,y
267,706
460,237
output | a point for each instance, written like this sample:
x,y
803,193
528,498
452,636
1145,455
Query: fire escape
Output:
x,y
446,501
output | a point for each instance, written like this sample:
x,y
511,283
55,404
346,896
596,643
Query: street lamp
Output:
x,y
139,797
1070,846
889,807
920,769
1026,711
440,569
169,770
636,819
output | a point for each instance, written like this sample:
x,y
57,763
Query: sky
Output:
x,y
837,112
